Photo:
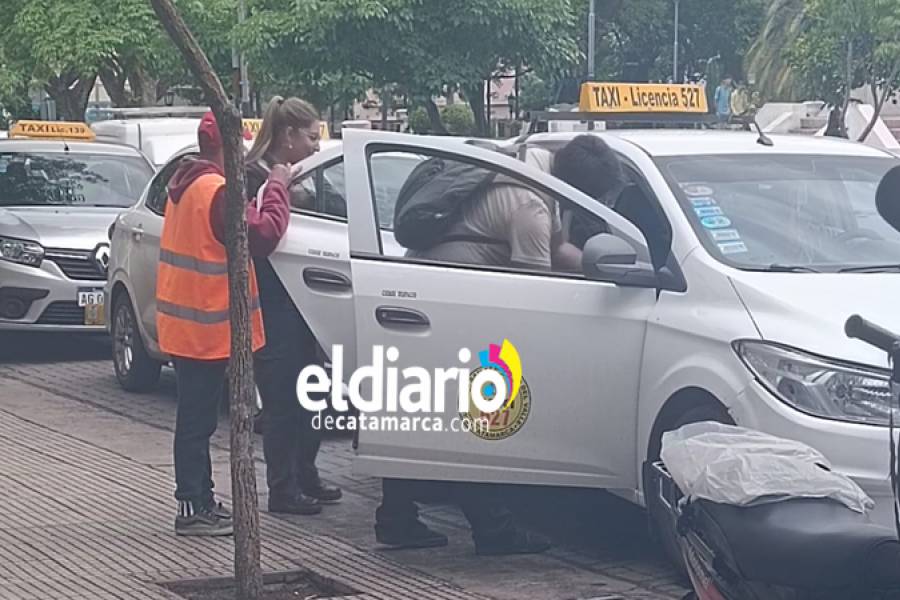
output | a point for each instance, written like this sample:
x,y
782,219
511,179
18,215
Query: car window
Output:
x,y
637,203
158,192
327,186
487,218
763,212
71,179
332,198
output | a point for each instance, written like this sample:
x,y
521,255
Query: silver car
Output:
x,y
57,201
313,259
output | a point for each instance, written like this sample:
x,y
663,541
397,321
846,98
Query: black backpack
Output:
x,y
432,199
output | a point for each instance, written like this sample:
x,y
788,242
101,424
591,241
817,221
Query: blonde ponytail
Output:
x,y
280,114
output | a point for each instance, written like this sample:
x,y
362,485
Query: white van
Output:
x,y
158,138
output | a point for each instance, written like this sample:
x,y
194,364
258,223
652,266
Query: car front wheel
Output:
x,y
662,528
135,369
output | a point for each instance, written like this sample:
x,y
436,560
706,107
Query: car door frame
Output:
x,y
365,245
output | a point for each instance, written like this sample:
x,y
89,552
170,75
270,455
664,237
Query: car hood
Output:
x,y
808,310
79,228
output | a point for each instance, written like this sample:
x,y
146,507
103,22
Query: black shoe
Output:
x,y
204,523
220,511
300,505
324,494
519,542
415,535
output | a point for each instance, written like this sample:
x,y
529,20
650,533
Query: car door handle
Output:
x,y
326,280
137,233
395,316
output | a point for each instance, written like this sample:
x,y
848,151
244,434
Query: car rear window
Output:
x,y
70,179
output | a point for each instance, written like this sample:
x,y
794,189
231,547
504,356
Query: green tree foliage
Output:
x,y
417,45
848,43
419,121
64,45
458,119
768,60
635,37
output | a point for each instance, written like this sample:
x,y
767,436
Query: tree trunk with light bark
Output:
x,y
247,568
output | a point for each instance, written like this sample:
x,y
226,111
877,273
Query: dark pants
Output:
x,y
488,516
200,387
290,444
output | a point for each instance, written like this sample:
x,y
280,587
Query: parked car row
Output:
x,y
716,289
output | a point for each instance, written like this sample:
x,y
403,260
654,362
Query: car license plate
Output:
x,y
92,302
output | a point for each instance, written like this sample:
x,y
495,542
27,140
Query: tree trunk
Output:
x,y
879,102
143,86
114,82
71,94
849,88
385,107
434,115
247,568
475,96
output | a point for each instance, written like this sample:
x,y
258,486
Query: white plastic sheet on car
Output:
x,y
738,466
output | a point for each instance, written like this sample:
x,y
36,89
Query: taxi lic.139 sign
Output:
x,y
642,98
51,130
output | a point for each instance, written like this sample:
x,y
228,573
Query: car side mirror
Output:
x,y
609,258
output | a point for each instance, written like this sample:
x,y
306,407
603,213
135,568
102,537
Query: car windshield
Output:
x,y
69,179
786,212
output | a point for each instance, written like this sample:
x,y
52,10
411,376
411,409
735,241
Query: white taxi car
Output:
x,y
317,234
716,287
58,195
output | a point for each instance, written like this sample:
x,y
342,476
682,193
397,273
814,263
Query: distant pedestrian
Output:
x,y
723,100
835,126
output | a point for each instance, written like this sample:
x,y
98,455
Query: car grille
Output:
x,y
62,313
76,264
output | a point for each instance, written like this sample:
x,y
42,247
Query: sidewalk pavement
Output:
x,y
86,485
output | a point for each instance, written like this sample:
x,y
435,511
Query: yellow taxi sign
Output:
x,y
252,127
643,98
51,130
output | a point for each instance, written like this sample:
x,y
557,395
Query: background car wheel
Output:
x,y
662,529
135,369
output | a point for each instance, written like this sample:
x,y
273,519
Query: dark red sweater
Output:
x,y
265,227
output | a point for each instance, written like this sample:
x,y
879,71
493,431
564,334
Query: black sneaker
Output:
x,y
519,542
324,494
414,535
203,523
301,505
220,511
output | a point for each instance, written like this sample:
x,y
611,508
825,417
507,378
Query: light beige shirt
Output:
x,y
508,212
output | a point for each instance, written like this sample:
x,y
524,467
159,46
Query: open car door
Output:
x,y
571,347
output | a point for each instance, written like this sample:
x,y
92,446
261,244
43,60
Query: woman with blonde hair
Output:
x,y
289,133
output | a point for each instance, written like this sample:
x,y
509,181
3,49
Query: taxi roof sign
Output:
x,y
51,130
251,127
643,98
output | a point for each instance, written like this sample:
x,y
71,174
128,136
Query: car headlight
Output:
x,y
819,386
21,251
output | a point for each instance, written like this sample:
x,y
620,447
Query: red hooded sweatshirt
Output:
x,y
265,227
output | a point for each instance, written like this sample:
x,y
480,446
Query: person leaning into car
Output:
x,y
289,133
193,313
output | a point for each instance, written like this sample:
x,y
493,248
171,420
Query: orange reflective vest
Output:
x,y
192,315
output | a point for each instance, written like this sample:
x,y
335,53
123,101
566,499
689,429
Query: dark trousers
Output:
x,y
200,387
481,505
290,444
